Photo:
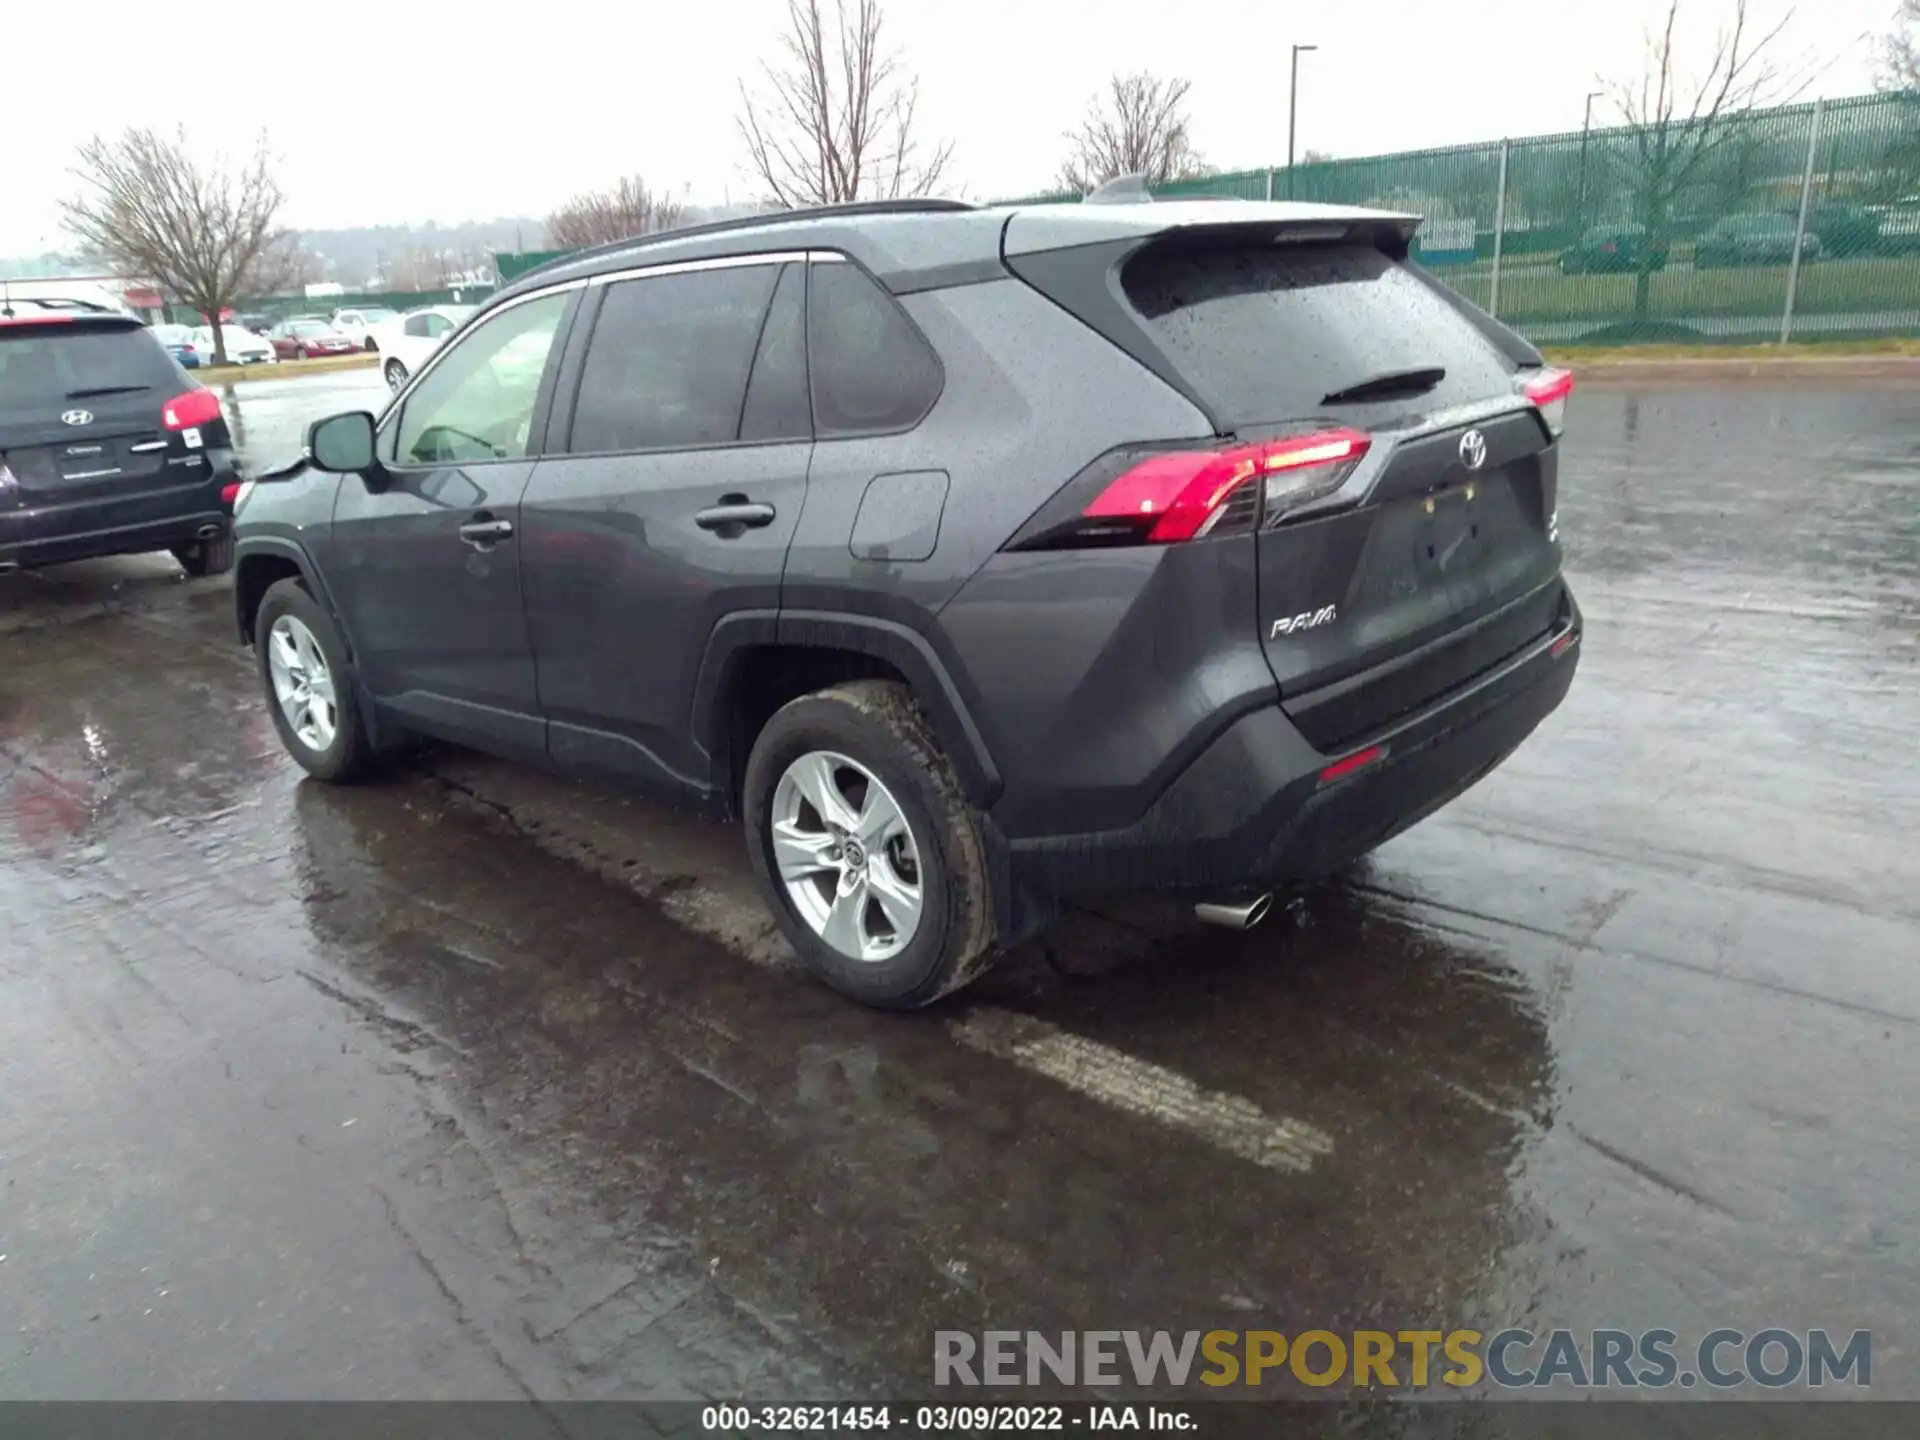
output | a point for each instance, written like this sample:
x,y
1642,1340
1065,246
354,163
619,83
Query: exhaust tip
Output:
x,y
207,532
1241,914
8,567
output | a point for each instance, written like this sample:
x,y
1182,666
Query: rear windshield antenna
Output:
x,y
1121,190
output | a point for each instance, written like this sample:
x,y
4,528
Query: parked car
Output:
x,y
299,339
1094,549
1845,229
106,447
243,346
258,324
410,339
178,341
359,323
1753,240
1614,249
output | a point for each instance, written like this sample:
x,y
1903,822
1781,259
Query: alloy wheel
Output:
x,y
847,856
302,682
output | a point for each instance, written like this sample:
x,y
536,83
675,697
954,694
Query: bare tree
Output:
x,y
207,234
836,120
1675,127
1139,127
1900,50
600,217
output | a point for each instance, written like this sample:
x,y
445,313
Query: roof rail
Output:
x,y
750,222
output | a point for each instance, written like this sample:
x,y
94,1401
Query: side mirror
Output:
x,y
342,444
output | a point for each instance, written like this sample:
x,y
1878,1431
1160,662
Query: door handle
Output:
x,y
482,533
735,515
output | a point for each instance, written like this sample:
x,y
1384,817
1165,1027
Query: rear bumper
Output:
x,y
128,525
1254,811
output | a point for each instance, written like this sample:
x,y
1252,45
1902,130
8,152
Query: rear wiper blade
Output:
x,y
93,390
1384,387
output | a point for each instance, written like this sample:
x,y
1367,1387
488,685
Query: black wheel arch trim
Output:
x,y
284,549
905,649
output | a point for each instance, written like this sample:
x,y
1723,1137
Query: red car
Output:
x,y
297,339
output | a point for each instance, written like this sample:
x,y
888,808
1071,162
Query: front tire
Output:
x,y
206,557
309,684
396,376
868,855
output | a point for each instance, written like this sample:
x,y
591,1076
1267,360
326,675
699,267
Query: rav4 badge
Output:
x,y
1307,620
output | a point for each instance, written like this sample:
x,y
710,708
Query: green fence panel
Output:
x,y
512,264
1684,232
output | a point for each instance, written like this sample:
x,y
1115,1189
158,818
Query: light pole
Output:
x,y
1293,110
1585,126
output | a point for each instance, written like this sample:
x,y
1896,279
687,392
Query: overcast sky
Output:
x,y
396,111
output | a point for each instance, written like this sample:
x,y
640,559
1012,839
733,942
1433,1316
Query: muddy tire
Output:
x,y
206,557
312,701
907,923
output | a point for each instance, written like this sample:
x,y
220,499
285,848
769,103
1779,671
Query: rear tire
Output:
x,y
344,752
396,376
861,732
206,557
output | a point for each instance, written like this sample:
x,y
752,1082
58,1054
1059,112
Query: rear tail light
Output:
x,y
1168,496
196,407
1548,389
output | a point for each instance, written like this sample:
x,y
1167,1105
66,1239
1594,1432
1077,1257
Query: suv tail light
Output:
x,y
196,407
1167,496
1548,389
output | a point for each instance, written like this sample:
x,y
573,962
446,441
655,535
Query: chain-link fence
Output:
x,y
1801,222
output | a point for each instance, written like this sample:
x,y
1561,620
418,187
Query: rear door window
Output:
x,y
777,407
1264,332
41,367
872,371
667,366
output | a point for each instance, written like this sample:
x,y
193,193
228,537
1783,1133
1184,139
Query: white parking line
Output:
x,y
1230,1122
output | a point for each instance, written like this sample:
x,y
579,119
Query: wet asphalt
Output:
x,y
467,1083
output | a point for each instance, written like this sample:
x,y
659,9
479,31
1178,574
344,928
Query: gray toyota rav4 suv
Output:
x,y
975,560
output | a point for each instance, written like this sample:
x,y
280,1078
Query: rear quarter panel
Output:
x,y
1030,397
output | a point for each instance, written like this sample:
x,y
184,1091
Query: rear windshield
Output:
x,y
45,365
1264,332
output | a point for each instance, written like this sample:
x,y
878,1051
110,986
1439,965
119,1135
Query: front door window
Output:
x,y
478,402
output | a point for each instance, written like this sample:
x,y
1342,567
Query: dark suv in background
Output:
x,y
974,558
107,447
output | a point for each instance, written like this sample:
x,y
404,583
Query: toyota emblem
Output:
x,y
1473,449
76,417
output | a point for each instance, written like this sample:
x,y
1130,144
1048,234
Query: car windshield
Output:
x,y
377,317
310,327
